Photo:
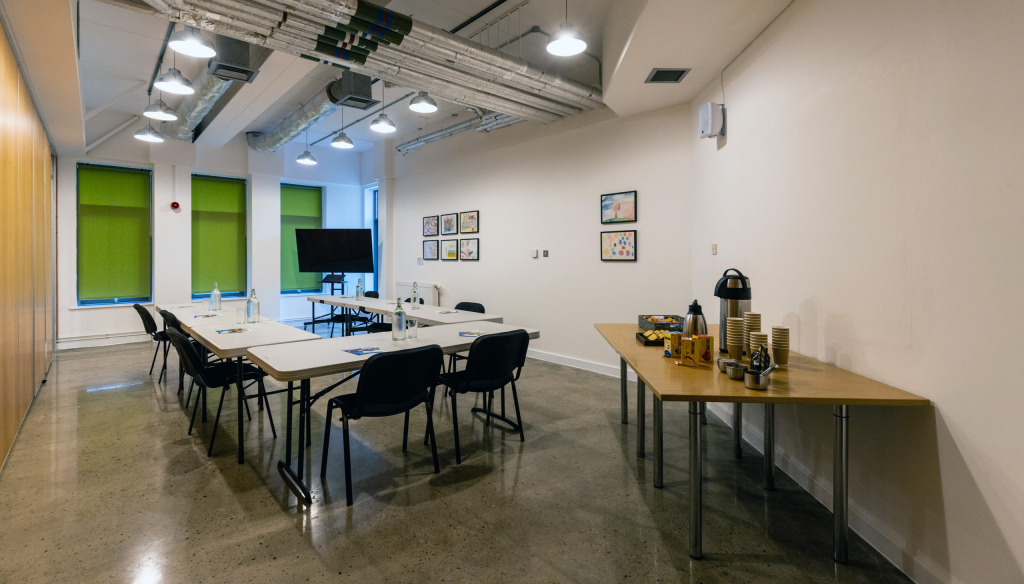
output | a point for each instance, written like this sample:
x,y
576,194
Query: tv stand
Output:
x,y
336,281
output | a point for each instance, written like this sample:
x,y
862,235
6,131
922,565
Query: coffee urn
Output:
x,y
734,290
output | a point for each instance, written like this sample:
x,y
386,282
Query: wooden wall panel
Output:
x,y
26,258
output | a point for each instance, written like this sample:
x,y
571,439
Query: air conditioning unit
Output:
x,y
233,62
711,120
353,90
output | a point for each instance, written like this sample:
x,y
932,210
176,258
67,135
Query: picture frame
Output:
x,y
450,224
469,222
430,249
449,250
618,207
430,226
618,246
469,249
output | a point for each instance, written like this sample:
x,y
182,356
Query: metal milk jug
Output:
x,y
734,292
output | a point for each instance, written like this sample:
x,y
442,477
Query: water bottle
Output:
x,y
359,289
398,323
215,298
252,308
415,297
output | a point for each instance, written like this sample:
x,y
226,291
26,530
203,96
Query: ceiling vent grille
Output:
x,y
353,90
659,75
232,62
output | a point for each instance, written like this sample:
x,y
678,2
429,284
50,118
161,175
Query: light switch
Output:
x,y
714,249
533,254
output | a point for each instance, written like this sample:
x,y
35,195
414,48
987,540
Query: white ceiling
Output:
x,y
119,48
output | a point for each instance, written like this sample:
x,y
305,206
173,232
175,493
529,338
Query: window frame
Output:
x,y
319,287
245,239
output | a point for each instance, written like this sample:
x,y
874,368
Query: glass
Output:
x,y
239,315
411,328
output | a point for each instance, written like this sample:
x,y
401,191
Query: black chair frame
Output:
x,y
162,341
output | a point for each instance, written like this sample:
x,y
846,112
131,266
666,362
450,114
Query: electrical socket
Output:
x,y
545,253
714,249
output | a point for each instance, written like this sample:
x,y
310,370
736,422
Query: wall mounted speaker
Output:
x,y
711,118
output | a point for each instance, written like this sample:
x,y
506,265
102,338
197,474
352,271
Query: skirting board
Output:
x,y
100,340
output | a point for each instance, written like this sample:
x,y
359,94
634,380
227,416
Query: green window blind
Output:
x,y
301,208
114,247
218,235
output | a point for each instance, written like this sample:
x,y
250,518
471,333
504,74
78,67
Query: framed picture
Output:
x,y
430,226
449,249
469,222
469,249
430,249
618,208
449,224
618,246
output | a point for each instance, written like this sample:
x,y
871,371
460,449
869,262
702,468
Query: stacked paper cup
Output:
x,y
734,337
751,323
780,345
757,340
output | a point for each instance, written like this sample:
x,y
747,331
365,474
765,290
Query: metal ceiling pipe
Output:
x,y
443,133
322,105
233,17
389,55
241,9
497,122
194,107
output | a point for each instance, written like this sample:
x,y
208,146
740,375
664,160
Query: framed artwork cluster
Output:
x,y
455,249
618,246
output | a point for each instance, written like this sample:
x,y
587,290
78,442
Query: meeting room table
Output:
x,y
219,332
424,314
303,361
803,381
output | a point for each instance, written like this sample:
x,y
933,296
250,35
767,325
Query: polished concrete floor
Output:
x,y
103,484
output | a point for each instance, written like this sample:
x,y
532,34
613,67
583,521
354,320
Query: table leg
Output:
x,y
625,394
312,320
641,413
841,484
291,478
696,493
288,430
769,447
737,430
241,405
659,468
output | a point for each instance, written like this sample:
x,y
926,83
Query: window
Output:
x,y
114,244
301,208
218,236
376,248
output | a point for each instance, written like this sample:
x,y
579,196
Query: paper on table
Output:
x,y
205,316
448,312
363,350
470,333
231,330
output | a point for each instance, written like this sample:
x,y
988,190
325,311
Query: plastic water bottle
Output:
x,y
215,298
359,289
415,297
252,308
398,332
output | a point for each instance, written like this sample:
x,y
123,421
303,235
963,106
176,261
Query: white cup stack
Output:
x,y
780,345
751,324
734,337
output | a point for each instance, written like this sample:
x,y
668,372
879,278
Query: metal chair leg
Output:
x,y
455,426
405,433
327,440
519,419
153,364
216,420
348,461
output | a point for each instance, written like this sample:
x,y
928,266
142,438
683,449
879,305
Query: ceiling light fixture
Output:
x,y
566,42
160,111
423,104
190,42
174,82
342,140
149,134
306,157
382,125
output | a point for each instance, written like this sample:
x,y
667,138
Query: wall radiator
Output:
x,y
429,292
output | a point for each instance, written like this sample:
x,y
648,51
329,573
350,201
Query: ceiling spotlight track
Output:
x,y
345,33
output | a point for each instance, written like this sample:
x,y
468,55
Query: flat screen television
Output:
x,y
335,250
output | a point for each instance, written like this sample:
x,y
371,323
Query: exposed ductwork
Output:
x,y
194,108
322,105
364,37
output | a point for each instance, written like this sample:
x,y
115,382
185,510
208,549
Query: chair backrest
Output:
x,y
493,359
410,300
171,321
394,382
147,319
470,307
372,294
190,358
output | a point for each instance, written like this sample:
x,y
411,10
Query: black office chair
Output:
x,y
149,323
368,322
494,361
218,374
172,322
468,307
389,384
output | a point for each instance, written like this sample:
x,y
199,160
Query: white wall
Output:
x,y
879,218
544,193
173,163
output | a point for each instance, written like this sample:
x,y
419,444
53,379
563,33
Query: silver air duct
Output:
x,y
194,108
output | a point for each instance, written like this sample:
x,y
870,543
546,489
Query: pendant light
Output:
x,y
159,111
190,42
174,82
342,140
306,157
382,124
423,104
149,134
566,42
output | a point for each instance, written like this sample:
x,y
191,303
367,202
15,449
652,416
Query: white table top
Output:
x,y
206,328
425,313
296,361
